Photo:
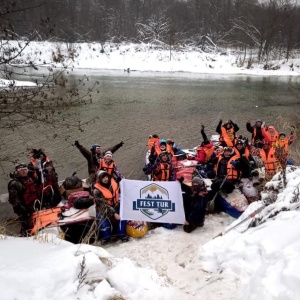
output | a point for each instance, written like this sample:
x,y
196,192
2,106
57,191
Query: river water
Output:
x,y
131,106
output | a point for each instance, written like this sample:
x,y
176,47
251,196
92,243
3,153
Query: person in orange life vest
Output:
x,y
259,132
50,195
205,150
227,133
153,139
22,194
174,147
36,162
246,161
271,163
228,165
106,195
92,156
107,164
273,134
219,150
162,169
283,142
159,147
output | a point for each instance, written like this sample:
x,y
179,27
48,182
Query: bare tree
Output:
x,y
51,97
155,31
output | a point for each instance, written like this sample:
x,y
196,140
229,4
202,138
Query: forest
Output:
x,y
270,29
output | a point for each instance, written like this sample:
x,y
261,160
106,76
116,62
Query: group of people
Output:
x,y
34,186
226,163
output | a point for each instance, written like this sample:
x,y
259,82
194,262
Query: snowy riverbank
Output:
x,y
144,57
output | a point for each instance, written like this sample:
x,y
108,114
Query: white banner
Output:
x,y
152,201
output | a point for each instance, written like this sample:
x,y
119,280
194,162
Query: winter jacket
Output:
x,y
22,193
204,152
92,158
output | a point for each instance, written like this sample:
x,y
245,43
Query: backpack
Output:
x,y
80,200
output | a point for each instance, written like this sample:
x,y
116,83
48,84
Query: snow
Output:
x,y
260,262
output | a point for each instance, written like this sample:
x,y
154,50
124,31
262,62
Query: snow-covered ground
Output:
x,y
259,263
144,57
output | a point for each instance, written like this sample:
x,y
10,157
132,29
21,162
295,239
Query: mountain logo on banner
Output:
x,y
154,201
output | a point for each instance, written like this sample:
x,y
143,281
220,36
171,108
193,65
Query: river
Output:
x,y
131,106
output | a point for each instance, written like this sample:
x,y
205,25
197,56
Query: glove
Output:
x,y
202,127
234,163
145,169
76,143
181,179
121,144
220,122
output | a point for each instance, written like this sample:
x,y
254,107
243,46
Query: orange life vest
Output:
x,y
283,143
111,196
228,136
232,173
109,168
264,132
162,172
168,149
208,152
152,141
270,161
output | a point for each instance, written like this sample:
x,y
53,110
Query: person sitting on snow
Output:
x,y
106,195
92,156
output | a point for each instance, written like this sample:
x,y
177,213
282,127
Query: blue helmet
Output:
x,y
95,146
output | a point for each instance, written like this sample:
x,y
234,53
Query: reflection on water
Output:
x,y
130,106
